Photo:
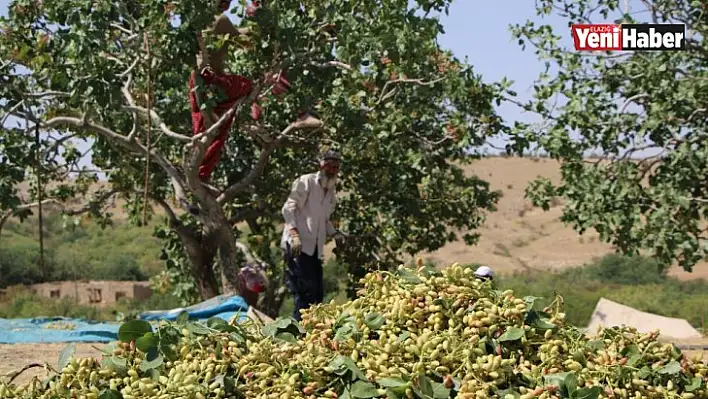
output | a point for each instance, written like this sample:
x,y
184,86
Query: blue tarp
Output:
x,y
55,329
58,329
223,306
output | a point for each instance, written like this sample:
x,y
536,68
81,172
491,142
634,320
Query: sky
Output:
x,y
479,30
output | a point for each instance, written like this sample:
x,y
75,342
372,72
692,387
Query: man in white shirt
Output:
x,y
307,213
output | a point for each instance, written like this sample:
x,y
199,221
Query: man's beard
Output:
x,y
328,181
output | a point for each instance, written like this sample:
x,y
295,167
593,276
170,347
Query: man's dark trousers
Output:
x,y
305,280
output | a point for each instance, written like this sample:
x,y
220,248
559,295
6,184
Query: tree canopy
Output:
x,y
399,108
402,110
643,112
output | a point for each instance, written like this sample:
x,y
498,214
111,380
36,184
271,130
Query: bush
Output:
x,y
19,264
85,251
620,269
23,304
632,281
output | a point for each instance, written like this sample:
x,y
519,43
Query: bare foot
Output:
x,y
307,121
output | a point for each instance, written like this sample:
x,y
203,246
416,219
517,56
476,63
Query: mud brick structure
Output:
x,y
99,293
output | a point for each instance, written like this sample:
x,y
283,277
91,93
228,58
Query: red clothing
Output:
x,y
235,87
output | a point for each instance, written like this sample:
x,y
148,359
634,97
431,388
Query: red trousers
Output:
x,y
235,87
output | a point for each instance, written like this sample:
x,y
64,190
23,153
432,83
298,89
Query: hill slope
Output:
x,y
518,236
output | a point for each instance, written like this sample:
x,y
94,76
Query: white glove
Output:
x,y
295,243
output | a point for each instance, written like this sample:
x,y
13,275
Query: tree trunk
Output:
x,y
231,260
272,301
201,253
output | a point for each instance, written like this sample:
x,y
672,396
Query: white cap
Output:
x,y
484,271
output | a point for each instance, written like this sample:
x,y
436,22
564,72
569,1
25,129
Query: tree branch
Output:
x,y
332,64
134,108
49,93
246,214
632,99
130,68
53,201
256,172
236,188
10,112
386,95
212,131
158,120
125,142
200,141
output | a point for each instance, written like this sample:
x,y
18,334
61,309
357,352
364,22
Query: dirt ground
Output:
x,y
15,357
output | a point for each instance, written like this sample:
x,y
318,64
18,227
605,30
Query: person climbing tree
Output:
x,y
229,89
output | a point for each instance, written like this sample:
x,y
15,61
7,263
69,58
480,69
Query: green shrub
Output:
x,y
635,282
620,269
85,251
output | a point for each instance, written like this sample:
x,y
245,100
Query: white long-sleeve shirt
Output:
x,y
308,209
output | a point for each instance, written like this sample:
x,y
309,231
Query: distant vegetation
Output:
x,y
637,282
130,253
120,252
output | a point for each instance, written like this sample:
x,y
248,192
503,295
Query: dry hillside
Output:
x,y
518,236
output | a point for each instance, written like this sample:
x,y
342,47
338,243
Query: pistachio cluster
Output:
x,y
411,334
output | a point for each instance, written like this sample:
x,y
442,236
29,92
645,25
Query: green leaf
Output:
x,y
146,342
219,324
673,368
343,364
536,319
115,363
634,359
198,328
404,336
134,329
579,356
588,393
110,394
531,301
557,379
696,383
423,387
363,389
287,337
596,345
169,353
183,317
345,332
66,355
408,276
154,375
392,382
644,372
374,321
392,393
571,383
439,390
512,334
151,364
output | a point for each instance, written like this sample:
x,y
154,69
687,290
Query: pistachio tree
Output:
x,y
402,111
645,114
